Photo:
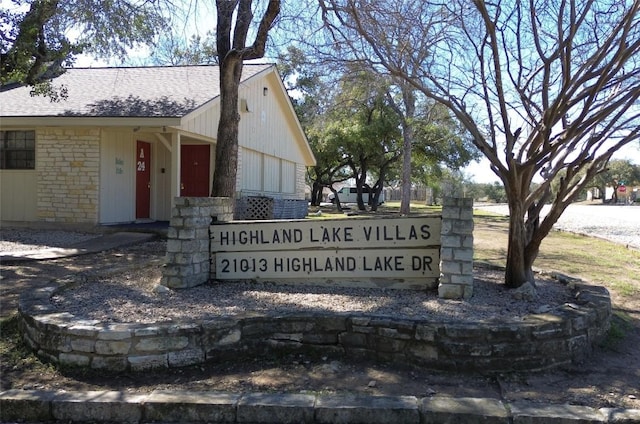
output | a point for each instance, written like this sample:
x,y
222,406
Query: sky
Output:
x,y
480,172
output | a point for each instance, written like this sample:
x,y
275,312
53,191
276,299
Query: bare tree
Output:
x,y
546,88
175,50
234,22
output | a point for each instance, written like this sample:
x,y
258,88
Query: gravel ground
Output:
x,y
620,224
121,286
132,296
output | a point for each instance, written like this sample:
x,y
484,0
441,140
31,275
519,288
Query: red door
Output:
x,y
143,179
194,170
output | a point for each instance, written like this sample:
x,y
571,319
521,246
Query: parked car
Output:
x,y
350,195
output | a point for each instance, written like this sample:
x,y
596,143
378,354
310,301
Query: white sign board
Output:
x,y
400,249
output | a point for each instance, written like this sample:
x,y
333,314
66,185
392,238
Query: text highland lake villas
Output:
x,y
272,235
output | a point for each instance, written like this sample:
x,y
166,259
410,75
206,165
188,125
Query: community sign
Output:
x,y
394,252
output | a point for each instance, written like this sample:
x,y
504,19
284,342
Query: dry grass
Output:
x,y
597,261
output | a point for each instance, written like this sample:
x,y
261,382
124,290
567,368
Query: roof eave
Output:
x,y
198,110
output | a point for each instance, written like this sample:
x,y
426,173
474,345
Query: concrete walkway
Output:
x,y
94,245
214,407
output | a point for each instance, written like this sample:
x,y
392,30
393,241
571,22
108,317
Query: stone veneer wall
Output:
x,y
68,169
539,341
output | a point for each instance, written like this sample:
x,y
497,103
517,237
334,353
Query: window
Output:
x,y
17,149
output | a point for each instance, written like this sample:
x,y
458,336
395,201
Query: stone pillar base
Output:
x,y
456,250
188,246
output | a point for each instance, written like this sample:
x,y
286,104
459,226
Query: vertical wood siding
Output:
x,y
289,177
271,174
267,127
271,146
251,170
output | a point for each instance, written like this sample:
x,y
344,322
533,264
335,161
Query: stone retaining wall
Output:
x,y
537,342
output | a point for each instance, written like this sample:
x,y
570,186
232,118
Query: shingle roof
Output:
x,y
124,92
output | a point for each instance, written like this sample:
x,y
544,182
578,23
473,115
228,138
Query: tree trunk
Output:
x,y
359,198
374,192
614,196
336,198
603,193
405,198
234,19
407,141
361,179
224,175
316,194
519,264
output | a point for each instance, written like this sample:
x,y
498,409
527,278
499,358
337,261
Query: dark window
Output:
x,y
17,149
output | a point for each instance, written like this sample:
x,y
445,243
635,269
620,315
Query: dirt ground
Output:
x,y
610,378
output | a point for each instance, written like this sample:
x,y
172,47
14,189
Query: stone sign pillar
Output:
x,y
188,261
456,251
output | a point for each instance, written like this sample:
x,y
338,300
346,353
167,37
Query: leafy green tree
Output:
x,y
495,192
475,191
619,173
370,132
325,139
440,142
328,171
35,46
327,142
323,97
343,124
